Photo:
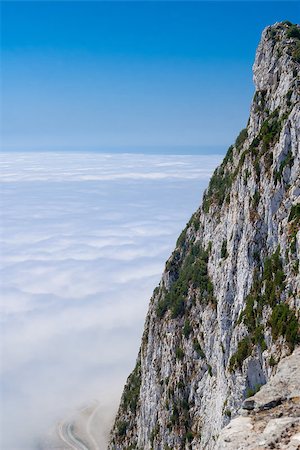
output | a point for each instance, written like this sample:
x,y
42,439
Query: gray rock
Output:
x,y
196,369
262,428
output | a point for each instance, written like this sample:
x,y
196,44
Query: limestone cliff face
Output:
x,y
271,418
227,308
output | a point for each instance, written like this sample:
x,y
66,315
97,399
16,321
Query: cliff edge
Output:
x,y
226,311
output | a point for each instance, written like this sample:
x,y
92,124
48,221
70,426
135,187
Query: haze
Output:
x,y
84,241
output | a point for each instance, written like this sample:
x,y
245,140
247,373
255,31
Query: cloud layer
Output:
x,y
84,240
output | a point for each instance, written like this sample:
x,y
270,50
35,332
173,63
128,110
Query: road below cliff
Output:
x,y
65,431
80,431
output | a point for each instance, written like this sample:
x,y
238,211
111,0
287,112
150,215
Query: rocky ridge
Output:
x,y
227,308
271,418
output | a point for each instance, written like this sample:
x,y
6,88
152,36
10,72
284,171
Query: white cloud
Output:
x,y
84,240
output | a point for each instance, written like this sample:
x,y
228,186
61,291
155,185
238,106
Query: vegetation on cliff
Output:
x,y
226,308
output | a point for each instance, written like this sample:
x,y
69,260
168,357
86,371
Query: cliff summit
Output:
x,y
226,311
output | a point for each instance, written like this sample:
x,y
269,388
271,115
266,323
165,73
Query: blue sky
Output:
x,y
89,75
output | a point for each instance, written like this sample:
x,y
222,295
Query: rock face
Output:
x,y
274,420
227,308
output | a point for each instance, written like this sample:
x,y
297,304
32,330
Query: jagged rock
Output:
x,y
227,308
284,385
271,424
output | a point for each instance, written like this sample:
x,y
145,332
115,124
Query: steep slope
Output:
x,y
271,418
227,307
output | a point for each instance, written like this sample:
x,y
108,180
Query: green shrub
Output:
x,y
198,349
274,278
192,273
293,245
206,202
246,175
132,388
175,415
187,329
218,187
294,213
256,256
272,33
267,289
209,368
229,155
252,391
181,238
288,161
254,144
268,158
241,138
189,436
162,307
270,130
177,308
242,158
194,221
209,247
293,32
289,96
243,351
257,169
284,323
122,428
154,433
251,317
256,198
249,314
258,337
224,252
179,353
227,413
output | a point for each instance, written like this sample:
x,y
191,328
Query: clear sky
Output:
x,y
87,75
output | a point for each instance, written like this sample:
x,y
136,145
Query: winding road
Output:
x,y
77,432
66,435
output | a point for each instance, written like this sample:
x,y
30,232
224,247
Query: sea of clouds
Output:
x,y
84,239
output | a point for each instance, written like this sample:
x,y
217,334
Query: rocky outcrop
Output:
x,y
271,418
227,308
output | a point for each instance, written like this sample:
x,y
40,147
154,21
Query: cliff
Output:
x,y
227,308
